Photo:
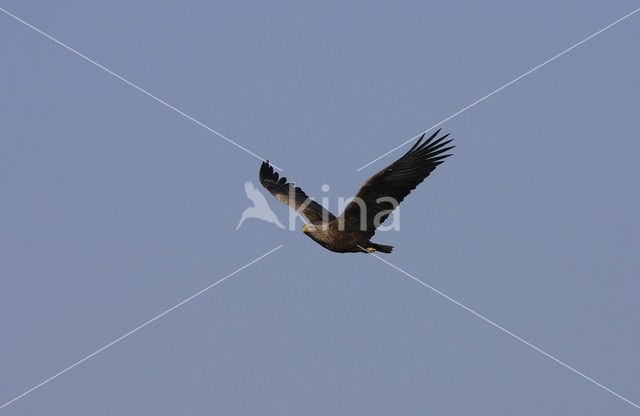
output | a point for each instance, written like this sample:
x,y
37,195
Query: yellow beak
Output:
x,y
305,229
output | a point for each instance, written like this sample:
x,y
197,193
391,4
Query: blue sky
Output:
x,y
115,208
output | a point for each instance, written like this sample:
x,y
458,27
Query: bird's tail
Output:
x,y
382,248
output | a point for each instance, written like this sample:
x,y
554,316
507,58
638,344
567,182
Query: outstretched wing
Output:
x,y
381,193
293,196
249,189
255,195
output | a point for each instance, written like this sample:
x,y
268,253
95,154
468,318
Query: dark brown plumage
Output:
x,y
377,198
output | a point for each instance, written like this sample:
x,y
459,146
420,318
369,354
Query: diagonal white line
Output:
x,y
142,90
139,327
501,88
506,331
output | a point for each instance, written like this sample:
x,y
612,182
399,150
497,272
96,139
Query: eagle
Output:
x,y
351,232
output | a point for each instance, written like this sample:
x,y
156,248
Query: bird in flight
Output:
x,y
375,201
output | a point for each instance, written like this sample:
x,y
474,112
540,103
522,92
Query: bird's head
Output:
x,y
315,231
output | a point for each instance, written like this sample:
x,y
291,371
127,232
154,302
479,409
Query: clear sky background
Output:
x,y
115,208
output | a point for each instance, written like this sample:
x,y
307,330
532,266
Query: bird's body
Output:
x,y
329,236
377,198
